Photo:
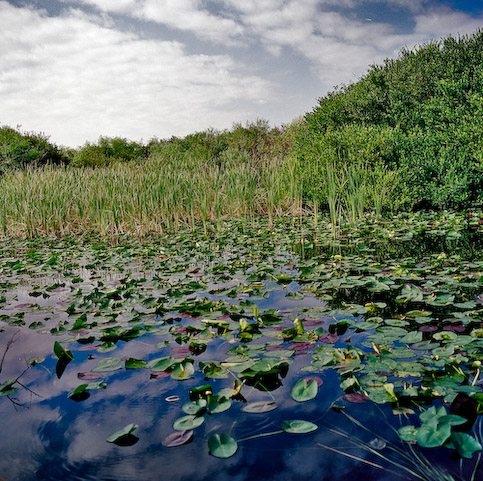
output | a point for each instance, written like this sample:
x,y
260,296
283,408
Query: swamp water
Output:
x,y
212,343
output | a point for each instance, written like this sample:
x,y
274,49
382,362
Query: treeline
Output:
x,y
253,141
407,135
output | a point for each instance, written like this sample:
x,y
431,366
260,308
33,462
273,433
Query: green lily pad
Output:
x,y
297,426
62,353
222,445
108,364
195,407
126,430
465,444
187,423
304,390
260,407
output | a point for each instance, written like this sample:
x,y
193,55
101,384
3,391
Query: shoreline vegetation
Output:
x,y
407,136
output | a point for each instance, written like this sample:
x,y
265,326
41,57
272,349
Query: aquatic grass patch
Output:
x,y
153,197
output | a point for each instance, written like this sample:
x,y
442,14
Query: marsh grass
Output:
x,y
155,196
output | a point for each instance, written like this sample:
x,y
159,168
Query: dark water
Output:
x,y
46,436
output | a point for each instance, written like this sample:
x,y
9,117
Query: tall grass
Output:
x,y
159,195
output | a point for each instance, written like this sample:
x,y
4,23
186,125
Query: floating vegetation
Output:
x,y
249,322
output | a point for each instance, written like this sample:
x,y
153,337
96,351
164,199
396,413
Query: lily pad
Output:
x,y
125,431
187,423
222,445
304,390
108,364
260,407
297,426
178,438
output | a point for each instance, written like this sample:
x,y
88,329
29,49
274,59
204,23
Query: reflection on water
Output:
x,y
47,436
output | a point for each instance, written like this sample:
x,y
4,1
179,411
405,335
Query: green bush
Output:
x,y
417,117
108,150
19,149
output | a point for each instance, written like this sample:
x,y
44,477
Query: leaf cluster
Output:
x,y
417,116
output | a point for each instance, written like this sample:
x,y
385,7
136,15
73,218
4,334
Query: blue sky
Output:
x,y
79,69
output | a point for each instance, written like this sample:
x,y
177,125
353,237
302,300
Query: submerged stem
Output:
x,y
262,435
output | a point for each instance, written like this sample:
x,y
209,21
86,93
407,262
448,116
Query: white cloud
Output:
x,y
185,15
441,22
339,46
75,71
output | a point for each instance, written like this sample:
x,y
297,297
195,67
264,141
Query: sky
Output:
x,y
76,70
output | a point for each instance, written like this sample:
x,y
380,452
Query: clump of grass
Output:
x,y
133,198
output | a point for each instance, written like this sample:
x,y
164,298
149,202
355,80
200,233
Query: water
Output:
x,y
46,435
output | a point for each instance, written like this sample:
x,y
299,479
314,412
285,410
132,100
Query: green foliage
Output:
x,y
414,125
21,149
108,150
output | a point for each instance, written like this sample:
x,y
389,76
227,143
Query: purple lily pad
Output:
x,y
89,375
355,398
329,338
428,328
89,347
160,375
178,438
454,327
301,346
312,322
317,379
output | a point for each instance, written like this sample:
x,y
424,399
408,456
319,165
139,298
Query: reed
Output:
x,y
158,195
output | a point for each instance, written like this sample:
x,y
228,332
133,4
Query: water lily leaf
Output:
x,y
222,445
160,364
83,388
304,390
218,404
188,422
133,363
431,413
356,398
396,322
411,293
108,364
195,407
62,353
89,375
408,433
444,336
452,420
465,444
178,438
424,345
260,407
7,387
125,431
213,370
443,351
183,371
33,361
412,337
297,426
432,437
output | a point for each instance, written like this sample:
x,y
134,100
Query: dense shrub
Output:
x,y
419,117
108,150
253,142
20,149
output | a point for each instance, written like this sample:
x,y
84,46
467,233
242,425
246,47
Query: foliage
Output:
x,y
415,121
108,150
21,149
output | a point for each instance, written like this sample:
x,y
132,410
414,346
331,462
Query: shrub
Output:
x,y
21,149
419,116
108,150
